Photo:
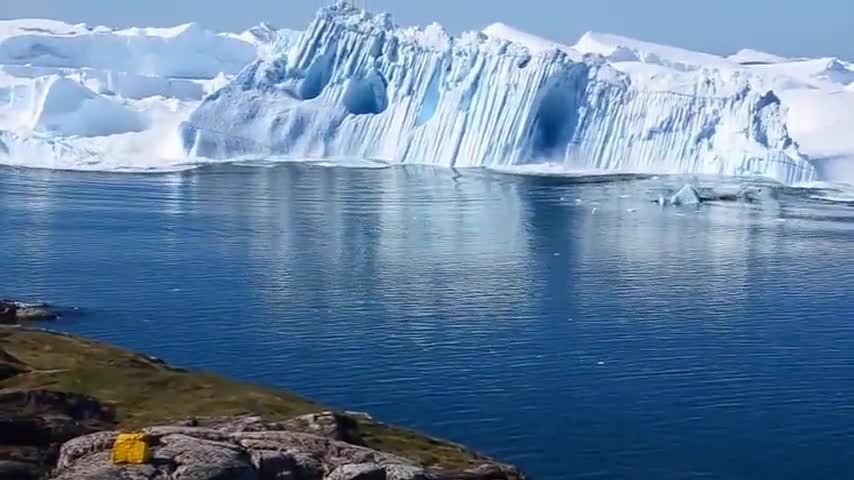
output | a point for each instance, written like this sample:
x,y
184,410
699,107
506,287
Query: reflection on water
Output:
x,y
576,329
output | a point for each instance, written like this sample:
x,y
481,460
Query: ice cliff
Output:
x,y
355,85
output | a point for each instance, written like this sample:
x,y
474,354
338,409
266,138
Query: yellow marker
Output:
x,y
131,448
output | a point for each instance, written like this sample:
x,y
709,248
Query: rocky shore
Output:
x,y
13,312
63,400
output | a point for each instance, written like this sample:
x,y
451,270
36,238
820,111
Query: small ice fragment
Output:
x,y
624,196
557,254
577,200
781,220
688,195
594,210
600,363
631,210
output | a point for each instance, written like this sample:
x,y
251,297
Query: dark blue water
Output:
x,y
543,321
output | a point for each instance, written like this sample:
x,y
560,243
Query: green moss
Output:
x,y
145,391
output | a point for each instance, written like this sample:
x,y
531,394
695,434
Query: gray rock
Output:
x,y
156,433
481,472
243,424
327,424
308,467
332,452
358,471
199,459
272,465
287,465
234,453
84,446
98,466
28,312
282,441
405,472
12,311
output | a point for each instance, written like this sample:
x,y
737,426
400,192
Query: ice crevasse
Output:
x,y
356,85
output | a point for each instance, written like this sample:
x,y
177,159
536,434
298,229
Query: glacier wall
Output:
x,y
355,85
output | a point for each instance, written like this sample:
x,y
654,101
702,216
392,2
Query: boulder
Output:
x,y
190,458
81,447
361,471
98,466
405,472
286,465
327,424
324,424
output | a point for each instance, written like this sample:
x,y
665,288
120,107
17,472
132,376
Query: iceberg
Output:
x,y
687,195
359,85
818,94
356,86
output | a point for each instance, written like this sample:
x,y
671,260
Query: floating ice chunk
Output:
x,y
688,195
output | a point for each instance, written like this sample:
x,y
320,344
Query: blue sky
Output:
x,y
786,27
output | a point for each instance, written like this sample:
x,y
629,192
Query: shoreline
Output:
x,y
92,386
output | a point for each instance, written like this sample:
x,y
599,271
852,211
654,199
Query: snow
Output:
x,y
750,56
533,43
622,49
185,51
356,86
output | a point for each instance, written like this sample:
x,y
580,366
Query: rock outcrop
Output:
x,y
47,433
35,423
250,449
12,311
